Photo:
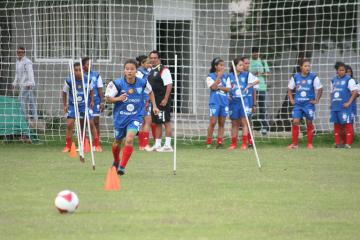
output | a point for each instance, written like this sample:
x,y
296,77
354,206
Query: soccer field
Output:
x,y
216,194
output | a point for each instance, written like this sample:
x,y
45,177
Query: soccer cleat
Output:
x,y
116,165
232,147
250,145
98,149
339,146
309,146
147,148
347,146
66,149
165,149
219,146
141,148
243,147
153,148
293,146
121,171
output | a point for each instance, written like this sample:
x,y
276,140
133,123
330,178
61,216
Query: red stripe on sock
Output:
x,y
126,155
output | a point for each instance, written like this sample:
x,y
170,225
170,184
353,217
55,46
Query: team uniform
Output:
x,y
97,83
143,73
305,91
80,98
128,115
159,77
218,100
341,93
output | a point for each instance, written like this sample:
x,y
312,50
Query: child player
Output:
x,y
308,90
343,94
69,106
142,73
237,111
99,106
219,86
126,93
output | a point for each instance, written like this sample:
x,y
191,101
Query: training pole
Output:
x,y
175,111
247,119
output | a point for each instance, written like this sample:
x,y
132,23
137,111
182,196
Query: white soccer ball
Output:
x,y
66,201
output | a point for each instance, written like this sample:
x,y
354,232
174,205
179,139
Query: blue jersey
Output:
x,y
353,104
94,76
304,88
143,74
80,93
340,93
132,109
243,82
219,97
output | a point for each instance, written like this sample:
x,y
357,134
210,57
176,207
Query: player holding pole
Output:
x,y
308,91
126,93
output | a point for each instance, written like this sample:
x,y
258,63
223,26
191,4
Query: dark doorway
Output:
x,y
174,37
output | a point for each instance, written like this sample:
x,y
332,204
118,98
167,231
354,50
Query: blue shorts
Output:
x,y
236,110
307,111
71,112
120,133
218,111
342,117
96,110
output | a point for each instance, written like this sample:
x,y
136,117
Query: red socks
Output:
x,y
116,153
249,139
96,141
153,130
337,130
310,132
234,141
219,140
68,142
349,133
244,139
141,138
145,139
208,140
126,155
295,134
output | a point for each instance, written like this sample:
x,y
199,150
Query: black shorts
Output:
x,y
163,116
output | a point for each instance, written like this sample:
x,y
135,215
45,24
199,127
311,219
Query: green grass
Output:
x,y
216,194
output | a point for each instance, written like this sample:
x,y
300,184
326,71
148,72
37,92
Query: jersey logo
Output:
x,y
338,83
336,94
131,91
342,82
303,94
79,86
130,107
303,81
309,82
139,90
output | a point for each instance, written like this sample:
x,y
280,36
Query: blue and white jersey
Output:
x,y
305,87
97,83
341,89
218,97
143,73
79,91
133,108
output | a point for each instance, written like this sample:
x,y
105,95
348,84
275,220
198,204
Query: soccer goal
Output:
x,y
53,32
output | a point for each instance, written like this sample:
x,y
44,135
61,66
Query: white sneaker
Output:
x,y
148,148
153,148
166,149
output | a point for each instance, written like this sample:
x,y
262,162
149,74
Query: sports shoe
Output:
x,y
339,146
309,146
153,148
232,147
121,171
148,148
219,146
293,146
66,149
141,148
347,146
243,147
165,149
98,149
115,164
250,145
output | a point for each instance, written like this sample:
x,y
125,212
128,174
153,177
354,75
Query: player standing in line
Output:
x,y
69,106
236,110
251,94
219,85
308,91
99,105
142,73
128,114
343,93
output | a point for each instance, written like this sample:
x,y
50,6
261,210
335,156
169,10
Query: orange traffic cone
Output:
x,y
73,150
112,181
86,146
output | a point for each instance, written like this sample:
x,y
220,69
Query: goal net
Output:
x,y
109,32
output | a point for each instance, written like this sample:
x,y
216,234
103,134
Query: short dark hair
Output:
x,y
130,61
21,48
84,60
255,49
141,59
236,62
243,58
77,64
214,63
302,61
340,64
155,52
347,68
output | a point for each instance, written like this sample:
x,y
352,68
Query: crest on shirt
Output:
x,y
131,91
79,86
303,81
309,81
139,90
155,73
338,83
342,82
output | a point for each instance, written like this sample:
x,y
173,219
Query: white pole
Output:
x,y
75,102
247,119
86,117
175,112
